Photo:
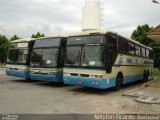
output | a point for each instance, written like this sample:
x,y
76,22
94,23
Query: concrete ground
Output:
x,y
149,93
21,96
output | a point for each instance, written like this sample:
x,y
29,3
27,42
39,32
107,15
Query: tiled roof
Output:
x,y
155,31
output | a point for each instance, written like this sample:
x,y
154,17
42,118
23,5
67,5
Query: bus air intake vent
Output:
x,y
74,74
84,75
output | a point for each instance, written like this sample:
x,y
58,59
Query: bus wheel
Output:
x,y
119,81
145,76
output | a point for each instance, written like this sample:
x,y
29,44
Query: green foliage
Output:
x,y
140,35
37,35
15,37
4,45
156,72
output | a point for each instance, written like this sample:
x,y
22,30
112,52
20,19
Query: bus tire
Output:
x,y
119,81
145,76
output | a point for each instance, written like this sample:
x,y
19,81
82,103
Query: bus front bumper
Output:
x,y
58,77
90,82
17,73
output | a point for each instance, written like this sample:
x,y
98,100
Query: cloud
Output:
x,y
25,17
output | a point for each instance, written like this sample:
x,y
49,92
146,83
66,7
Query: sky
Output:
x,y
54,17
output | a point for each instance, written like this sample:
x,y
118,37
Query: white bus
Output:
x,y
47,59
104,59
18,58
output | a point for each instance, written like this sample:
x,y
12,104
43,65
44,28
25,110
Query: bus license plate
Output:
x,y
79,83
12,73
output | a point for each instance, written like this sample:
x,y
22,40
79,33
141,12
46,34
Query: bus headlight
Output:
x,y
51,73
94,83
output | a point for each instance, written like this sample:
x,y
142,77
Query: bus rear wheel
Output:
x,y
119,81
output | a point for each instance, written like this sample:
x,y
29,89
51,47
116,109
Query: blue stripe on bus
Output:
x,y
101,83
132,78
130,61
16,73
148,62
48,78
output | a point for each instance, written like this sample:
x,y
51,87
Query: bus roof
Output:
x,y
23,40
104,31
58,36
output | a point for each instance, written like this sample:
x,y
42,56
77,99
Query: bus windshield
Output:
x,y
46,57
88,55
17,56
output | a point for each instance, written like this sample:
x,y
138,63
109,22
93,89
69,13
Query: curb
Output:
x,y
148,100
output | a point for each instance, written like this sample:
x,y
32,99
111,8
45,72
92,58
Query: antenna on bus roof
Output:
x,y
91,15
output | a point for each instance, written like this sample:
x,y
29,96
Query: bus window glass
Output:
x,y
13,45
147,53
131,48
44,57
73,56
48,42
17,56
143,52
86,40
112,39
89,58
151,54
122,44
22,45
137,50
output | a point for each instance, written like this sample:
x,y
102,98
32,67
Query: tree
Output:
x,y
140,35
37,35
4,46
15,37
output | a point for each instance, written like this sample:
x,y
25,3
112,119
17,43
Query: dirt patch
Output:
x,y
152,86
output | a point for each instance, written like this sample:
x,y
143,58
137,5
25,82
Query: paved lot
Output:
x,y
22,96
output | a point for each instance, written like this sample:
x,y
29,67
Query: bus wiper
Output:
x,y
77,57
83,55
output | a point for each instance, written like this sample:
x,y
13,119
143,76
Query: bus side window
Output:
x,y
111,39
143,52
151,54
131,48
138,50
122,45
147,53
